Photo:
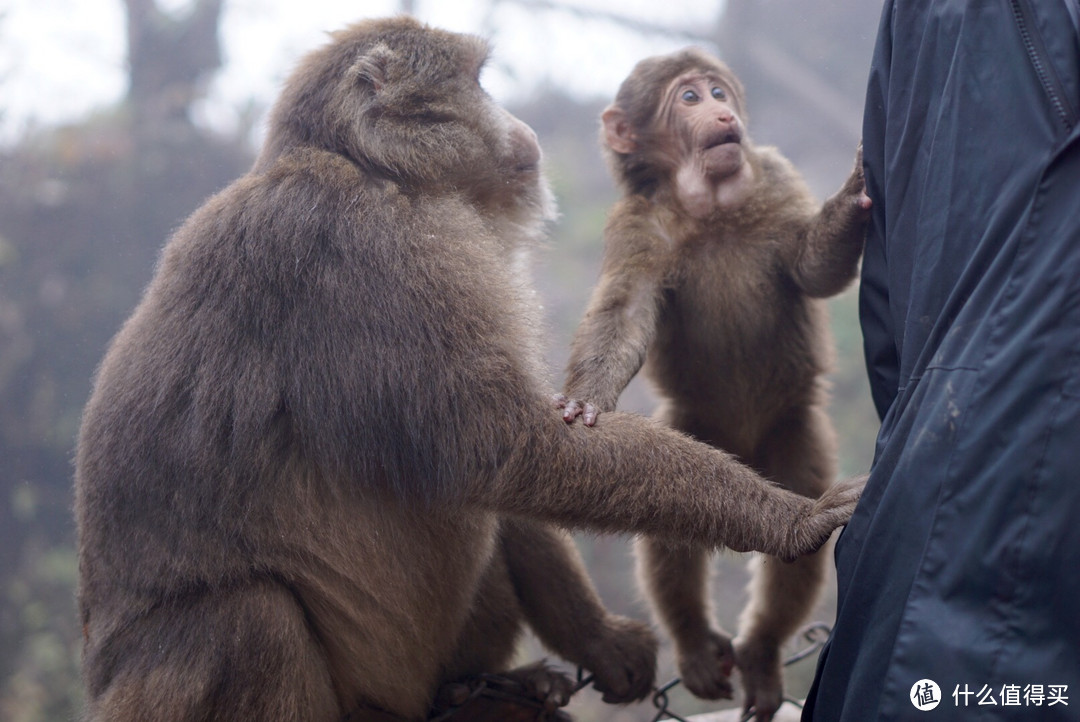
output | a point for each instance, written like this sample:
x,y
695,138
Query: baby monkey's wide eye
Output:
x,y
690,96
719,93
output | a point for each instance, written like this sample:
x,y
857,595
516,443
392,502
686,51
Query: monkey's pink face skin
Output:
x,y
702,116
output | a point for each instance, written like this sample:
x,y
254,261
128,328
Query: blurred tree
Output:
x,y
169,60
83,212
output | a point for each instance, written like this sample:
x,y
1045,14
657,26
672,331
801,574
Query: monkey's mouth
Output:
x,y
732,135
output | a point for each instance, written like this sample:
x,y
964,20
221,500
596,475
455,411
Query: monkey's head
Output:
x,y
676,115
404,101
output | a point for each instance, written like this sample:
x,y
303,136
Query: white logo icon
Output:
x,y
925,695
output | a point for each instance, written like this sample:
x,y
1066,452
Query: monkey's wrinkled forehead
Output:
x,y
644,90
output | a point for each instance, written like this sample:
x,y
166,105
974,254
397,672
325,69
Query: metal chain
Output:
x,y
660,701
499,687
815,634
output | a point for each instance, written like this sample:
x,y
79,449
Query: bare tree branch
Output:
x,y
706,37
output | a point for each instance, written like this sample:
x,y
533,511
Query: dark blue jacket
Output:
x,y
962,562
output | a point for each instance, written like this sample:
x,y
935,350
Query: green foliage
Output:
x,y
44,684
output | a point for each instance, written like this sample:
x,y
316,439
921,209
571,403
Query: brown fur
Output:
x,y
712,284
314,474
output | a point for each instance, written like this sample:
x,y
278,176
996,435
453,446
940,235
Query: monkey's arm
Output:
x,y
566,613
828,256
630,474
612,339
610,344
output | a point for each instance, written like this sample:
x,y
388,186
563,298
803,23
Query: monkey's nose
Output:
x,y
524,145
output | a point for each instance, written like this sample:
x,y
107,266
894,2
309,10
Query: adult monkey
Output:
x,y
314,474
714,260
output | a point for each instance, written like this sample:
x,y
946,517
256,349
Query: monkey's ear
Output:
x,y
618,132
371,67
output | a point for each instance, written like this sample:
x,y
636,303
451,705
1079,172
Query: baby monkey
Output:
x,y
716,259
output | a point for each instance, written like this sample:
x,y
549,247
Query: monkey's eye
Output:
x,y
690,96
719,93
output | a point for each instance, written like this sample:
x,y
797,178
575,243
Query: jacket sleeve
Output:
x,y
879,337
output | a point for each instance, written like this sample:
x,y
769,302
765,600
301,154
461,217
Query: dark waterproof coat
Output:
x,y
962,562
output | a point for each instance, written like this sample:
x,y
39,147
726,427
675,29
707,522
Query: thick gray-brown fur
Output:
x,y
711,281
315,476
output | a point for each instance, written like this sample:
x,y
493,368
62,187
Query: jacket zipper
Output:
x,y
1036,51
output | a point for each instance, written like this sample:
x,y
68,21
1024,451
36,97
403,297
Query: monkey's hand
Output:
x,y
843,217
706,666
829,511
855,189
759,664
829,259
623,661
573,408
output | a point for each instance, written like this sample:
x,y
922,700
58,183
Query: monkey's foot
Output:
x,y
706,666
623,661
533,693
762,683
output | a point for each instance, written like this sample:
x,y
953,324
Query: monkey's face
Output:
x,y
404,101
678,120
699,120
420,114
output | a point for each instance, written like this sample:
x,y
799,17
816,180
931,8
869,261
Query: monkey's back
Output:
x,y
262,419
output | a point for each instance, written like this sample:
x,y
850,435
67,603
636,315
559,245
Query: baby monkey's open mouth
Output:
x,y
731,135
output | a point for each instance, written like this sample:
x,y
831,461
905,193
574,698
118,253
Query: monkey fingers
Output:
x,y
541,683
856,183
623,663
535,683
759,665
706,667
573,408
831,510
531,693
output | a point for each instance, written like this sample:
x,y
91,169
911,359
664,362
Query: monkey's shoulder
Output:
x,y
774,166
305,203
781,188
645,229
638,236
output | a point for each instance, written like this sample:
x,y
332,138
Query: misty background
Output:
x,y
104,153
